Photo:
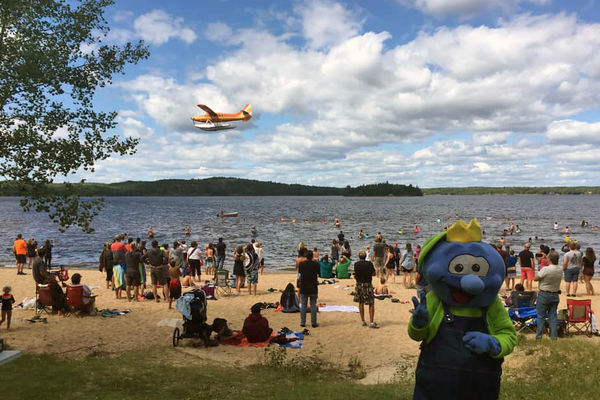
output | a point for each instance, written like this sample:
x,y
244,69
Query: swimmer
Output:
x,y
416,229
150,232
555,227
253,231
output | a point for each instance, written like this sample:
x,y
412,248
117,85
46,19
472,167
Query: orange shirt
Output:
x,y
20,246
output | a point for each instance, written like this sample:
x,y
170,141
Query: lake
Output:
x,y
535,216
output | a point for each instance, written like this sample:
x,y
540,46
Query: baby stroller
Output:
x,y
192,306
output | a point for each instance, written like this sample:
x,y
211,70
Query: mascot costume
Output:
x,y
463,326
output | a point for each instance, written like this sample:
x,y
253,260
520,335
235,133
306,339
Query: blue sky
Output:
x,y
428,92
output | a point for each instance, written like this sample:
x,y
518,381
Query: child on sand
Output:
x,y
174,283
511,270
382,288
7,302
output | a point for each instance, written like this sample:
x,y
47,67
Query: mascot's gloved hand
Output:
x,y
420,314
481,343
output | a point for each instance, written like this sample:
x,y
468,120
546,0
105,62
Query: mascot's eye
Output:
x,y
466,264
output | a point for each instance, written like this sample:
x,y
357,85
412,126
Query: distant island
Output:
x,y
221,186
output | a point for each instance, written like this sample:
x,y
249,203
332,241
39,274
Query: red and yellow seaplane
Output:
x,y
212,121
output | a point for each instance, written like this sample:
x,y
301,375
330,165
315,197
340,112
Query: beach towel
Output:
x,y
106,313
142,273
238,339
348,309
119,275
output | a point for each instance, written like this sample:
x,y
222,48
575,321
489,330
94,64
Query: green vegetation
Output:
x,y
513,190
566,369
383,189
53,57
219,186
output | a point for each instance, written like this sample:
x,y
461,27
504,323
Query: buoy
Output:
x,y
399,232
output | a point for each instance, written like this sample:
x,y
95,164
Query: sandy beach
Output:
x,y
339,336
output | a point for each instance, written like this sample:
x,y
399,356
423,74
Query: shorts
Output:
x,y
378,262
133,280
174,289
252,278
21,258
527,274
195,267
405,269
364,293
157,275
209,262
511,274
571,274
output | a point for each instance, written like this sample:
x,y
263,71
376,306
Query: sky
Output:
x,y
434,93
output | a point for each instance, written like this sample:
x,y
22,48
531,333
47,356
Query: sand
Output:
x,y
339,336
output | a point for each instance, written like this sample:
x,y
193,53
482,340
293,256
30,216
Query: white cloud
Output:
x,y
326,23
158,27
218,32
569,131
465,8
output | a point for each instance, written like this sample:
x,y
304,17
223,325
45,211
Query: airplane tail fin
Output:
x,y
247,111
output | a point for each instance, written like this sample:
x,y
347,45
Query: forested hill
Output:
x,y
513,190
223,187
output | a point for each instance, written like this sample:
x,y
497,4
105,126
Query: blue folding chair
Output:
x,y
523,318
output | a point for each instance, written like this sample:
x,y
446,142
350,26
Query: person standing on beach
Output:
x,y
31,248
209,257
133,258
335,251
572,262
20,250
157,259
106,264
221,246
588,270
194,257
48,245
238,267
408,266
252,265
120,266
309,271
363,273
548,297
527,263
378,253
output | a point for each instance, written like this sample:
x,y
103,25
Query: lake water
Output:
x,y
314,222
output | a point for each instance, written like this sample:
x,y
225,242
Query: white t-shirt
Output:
x,y
194,253
573,259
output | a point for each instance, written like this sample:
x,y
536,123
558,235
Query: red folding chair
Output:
x,y
75,297
43,298
579,317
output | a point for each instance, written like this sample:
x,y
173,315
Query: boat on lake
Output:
x,y
229,214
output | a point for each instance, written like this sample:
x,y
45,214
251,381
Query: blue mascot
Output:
x,y
463,326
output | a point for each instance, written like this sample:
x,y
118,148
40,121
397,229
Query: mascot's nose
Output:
x,y
472,284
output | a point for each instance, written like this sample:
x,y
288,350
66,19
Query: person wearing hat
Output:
x,y
256,327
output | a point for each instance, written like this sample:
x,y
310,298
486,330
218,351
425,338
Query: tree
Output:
x,y
52,61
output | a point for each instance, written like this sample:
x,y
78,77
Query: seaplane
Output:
x,y
212,121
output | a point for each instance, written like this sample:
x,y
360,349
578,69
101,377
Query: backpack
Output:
x,y
289,300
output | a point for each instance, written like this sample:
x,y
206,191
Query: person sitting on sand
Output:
x,y
87,298
256,327
174,282
382,287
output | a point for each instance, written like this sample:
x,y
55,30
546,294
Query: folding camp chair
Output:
x,y
43,299
579,316
523,299
222,285
524,319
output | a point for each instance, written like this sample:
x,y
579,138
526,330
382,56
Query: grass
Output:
x,y
567,369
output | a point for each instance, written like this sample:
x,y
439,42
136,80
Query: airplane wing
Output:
x,y
208,110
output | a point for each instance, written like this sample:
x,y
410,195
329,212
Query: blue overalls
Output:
x,y
447,369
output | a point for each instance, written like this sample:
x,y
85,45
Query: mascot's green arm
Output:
x,y
502,328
